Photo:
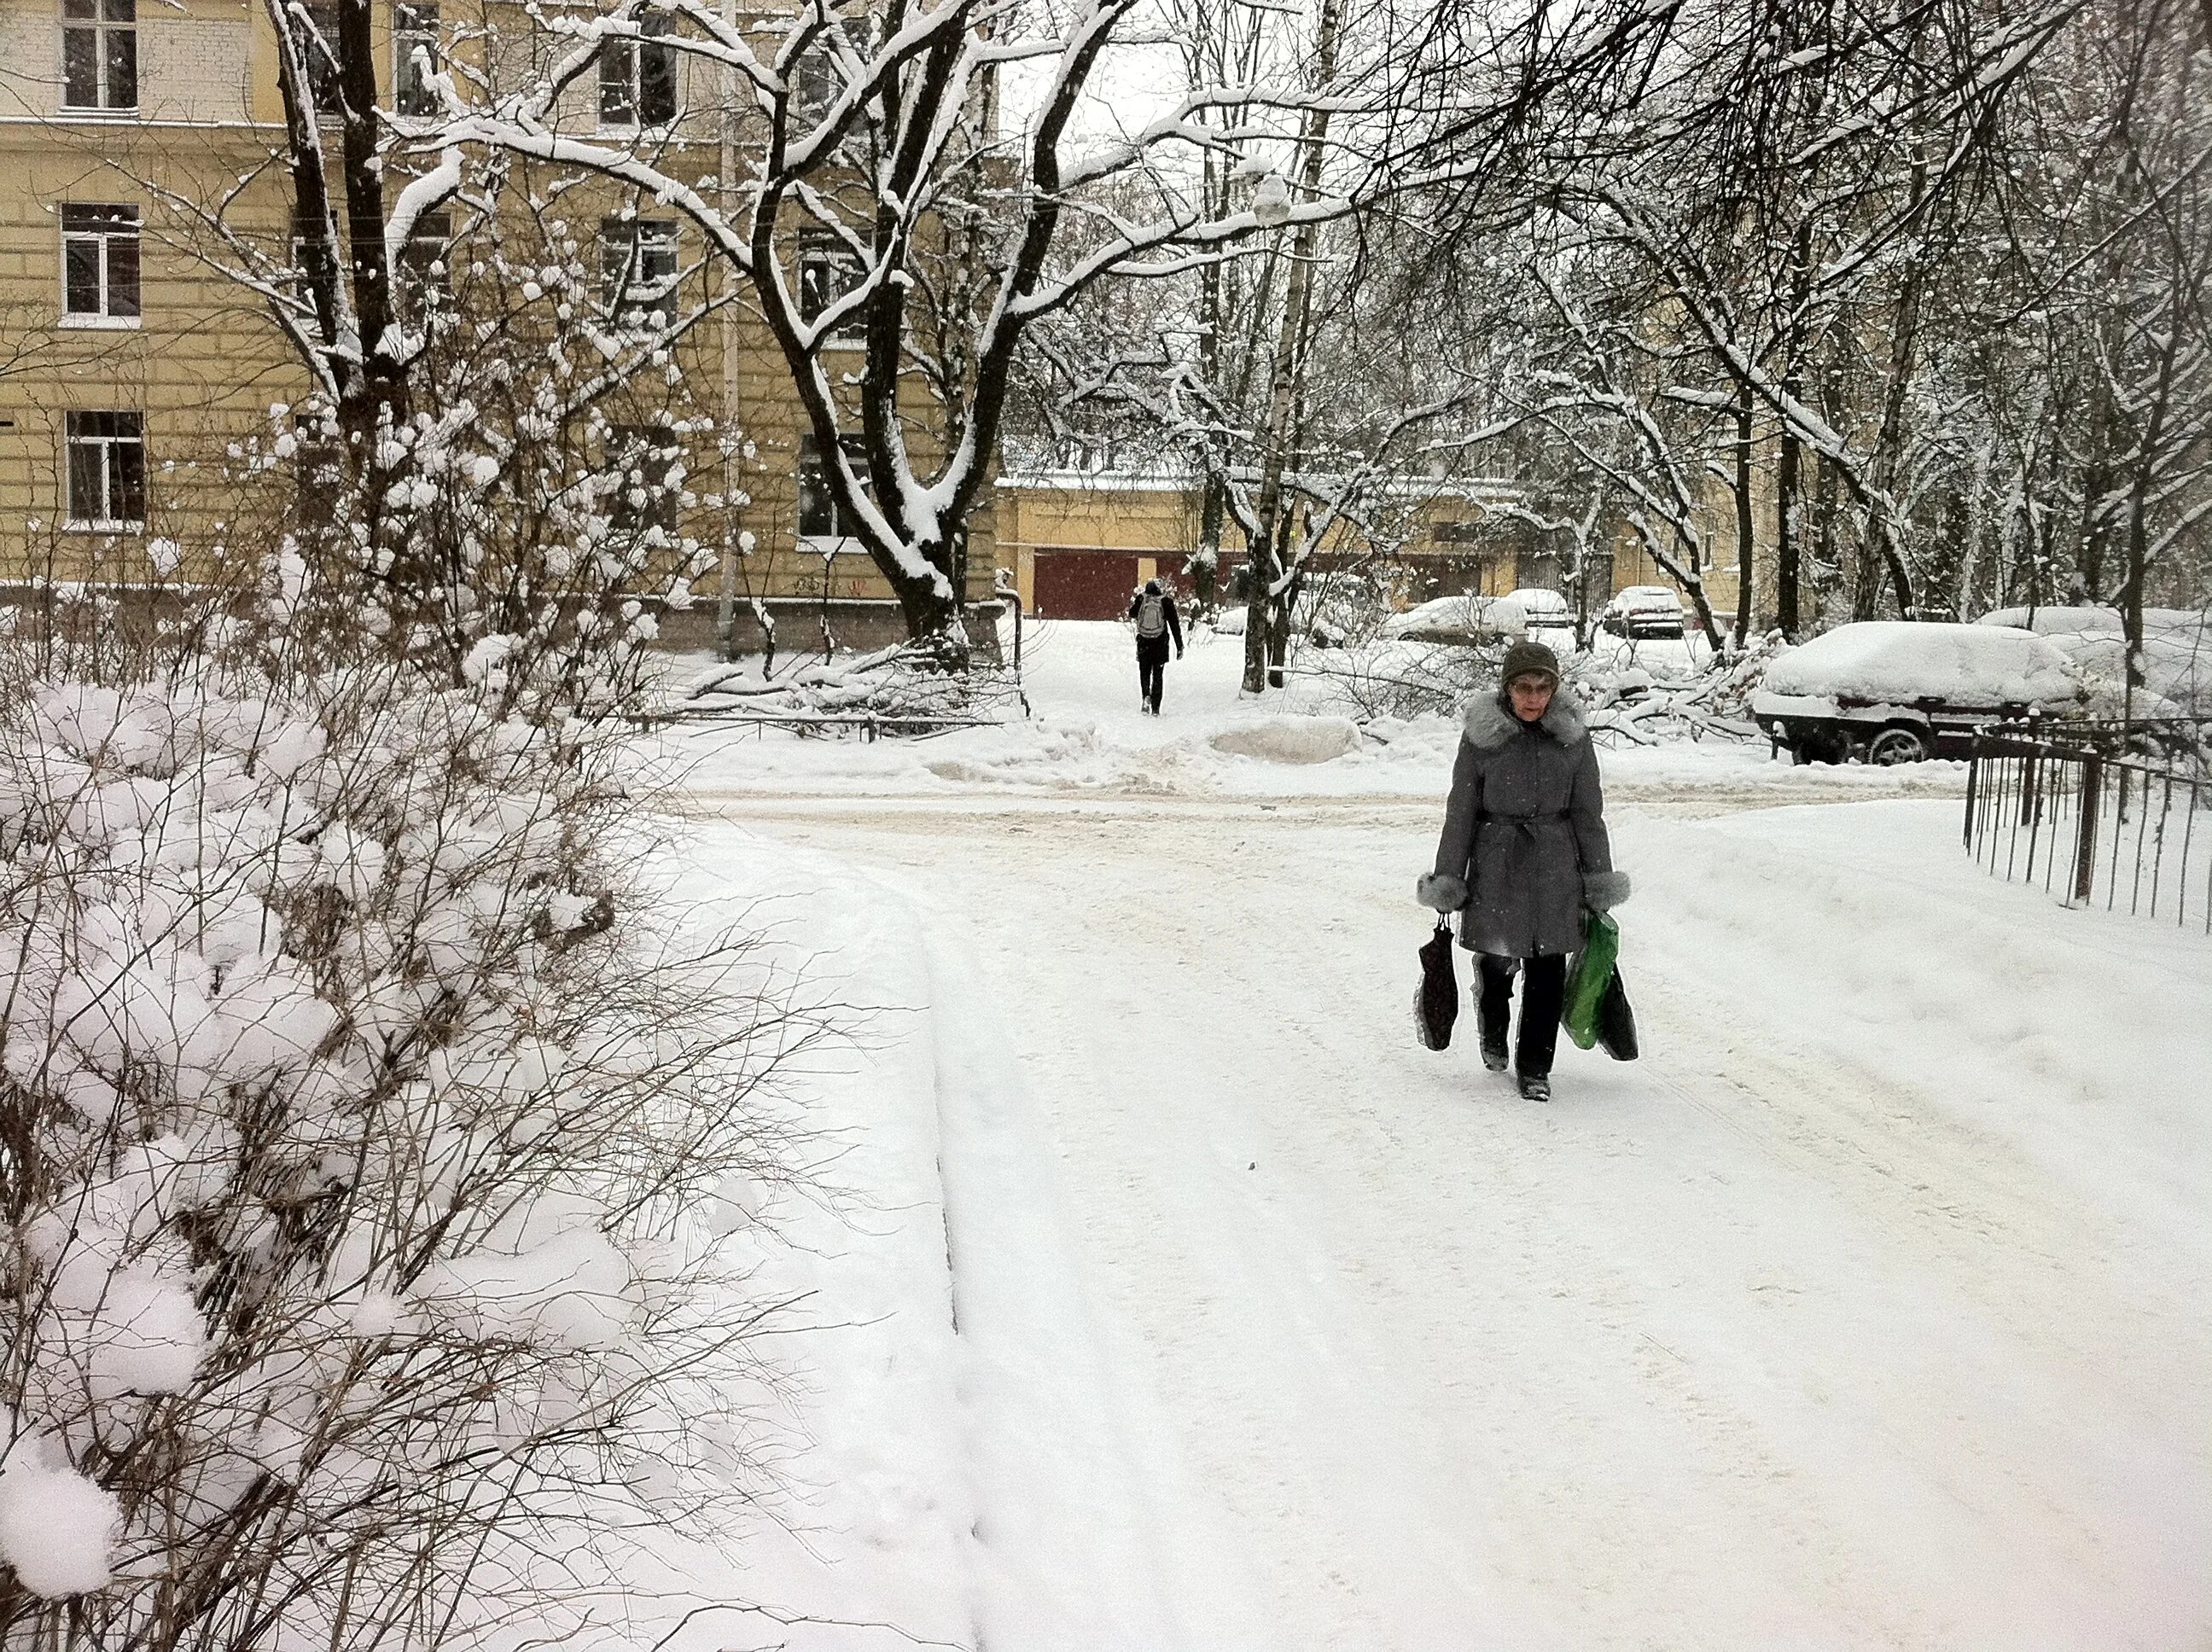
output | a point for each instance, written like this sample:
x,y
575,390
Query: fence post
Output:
x,y
2085,845
1974,772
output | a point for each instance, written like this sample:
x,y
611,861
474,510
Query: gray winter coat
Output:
x,y
1524,847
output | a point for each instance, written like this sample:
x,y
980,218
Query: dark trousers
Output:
x,y
1152,669
1543,990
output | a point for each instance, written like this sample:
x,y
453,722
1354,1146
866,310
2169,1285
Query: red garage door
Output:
x,y
1091,584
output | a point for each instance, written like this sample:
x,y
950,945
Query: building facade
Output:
x,y
145,217
1077,542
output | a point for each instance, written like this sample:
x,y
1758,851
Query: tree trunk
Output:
x,y
1283,397
1788,483
1785,532
1747,545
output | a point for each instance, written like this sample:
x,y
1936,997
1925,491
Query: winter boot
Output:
x,y
1535,1087
1493,1055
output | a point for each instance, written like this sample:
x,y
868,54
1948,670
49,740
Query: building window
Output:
x,y
818,79
106,470
637,266
415,58
828,270
820,517
100,54
318,47
424,272
637,79
647,456
99,263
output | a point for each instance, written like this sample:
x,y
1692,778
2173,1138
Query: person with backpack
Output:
x,y
1524,852
1153,612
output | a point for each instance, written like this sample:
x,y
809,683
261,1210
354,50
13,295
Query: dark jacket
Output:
x,y
1174,620
1524,848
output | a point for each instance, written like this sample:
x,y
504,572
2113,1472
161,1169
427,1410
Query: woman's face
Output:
x,y
1532,695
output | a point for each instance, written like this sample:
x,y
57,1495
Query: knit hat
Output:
x,y
1526,659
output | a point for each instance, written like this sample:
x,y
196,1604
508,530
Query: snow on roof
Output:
x,y
1901,661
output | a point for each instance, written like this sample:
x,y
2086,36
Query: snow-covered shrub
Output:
x,y
904,689
1401,681
367,1144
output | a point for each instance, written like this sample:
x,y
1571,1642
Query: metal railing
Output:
x,y
2099,815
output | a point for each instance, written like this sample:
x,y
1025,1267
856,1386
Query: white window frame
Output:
x,y
652,451
415,26
97,19
319,46
426,263
821,250
628,247
622,62
837,541
103,236
106,445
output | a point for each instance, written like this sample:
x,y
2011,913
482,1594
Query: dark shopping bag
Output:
x,y
1435,1000
1587,978
1616,1022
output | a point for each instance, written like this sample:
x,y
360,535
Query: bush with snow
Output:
x,y
368,1142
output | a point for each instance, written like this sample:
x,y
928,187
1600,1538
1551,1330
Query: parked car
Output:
x,y
1546,610
1644,611
2056,620
2175,657
1466,618
1896,691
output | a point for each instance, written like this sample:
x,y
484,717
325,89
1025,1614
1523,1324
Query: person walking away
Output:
x,y
1524,852
1153,612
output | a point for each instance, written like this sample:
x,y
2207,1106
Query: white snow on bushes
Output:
x,y
57,1526
278,1026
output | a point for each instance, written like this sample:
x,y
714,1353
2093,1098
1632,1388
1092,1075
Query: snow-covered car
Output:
x,y
1643,610
2176,657
1464,619
2051,620
1544,609
1899,690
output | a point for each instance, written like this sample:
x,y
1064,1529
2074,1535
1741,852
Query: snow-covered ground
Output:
x,y
1174,1298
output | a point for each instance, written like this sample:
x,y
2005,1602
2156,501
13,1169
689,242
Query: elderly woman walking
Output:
x,y
1524,851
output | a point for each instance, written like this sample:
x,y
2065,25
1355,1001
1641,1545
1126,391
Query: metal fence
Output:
x,y
2099,815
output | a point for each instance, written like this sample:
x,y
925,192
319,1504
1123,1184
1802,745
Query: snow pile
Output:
x,y
1291,739
1900,662
57,1528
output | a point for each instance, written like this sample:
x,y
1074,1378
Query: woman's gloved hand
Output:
x,y
1440,891
1604,891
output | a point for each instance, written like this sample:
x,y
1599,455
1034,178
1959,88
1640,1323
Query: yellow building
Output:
x,y
1078,541
132,366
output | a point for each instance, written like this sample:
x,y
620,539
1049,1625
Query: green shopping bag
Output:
x,y
1591,973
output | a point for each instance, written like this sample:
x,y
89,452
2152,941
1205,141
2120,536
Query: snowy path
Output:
x,y
1811,1329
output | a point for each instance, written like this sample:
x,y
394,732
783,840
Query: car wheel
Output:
x,y
1898,746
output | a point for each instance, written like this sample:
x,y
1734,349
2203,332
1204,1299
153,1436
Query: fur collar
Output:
x,y
1489,725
